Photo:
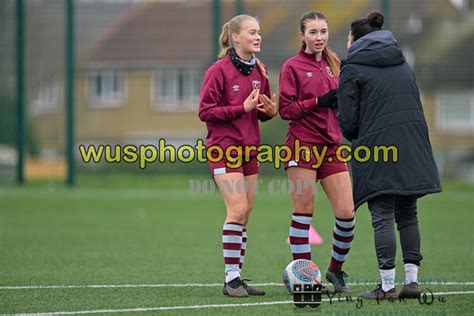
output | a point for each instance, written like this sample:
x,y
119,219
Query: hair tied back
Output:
x,y
375,19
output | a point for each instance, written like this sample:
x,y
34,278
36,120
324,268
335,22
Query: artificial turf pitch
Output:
x,y
146,232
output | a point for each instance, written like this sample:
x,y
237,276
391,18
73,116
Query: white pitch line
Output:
x,y
99,286
151,309
452,293
163,308
105,286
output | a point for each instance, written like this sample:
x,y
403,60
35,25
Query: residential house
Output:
x,y
140,80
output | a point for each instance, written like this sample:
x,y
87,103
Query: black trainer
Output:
x,y
336,278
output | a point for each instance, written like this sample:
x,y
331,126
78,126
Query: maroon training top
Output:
x,y
302,80
221,105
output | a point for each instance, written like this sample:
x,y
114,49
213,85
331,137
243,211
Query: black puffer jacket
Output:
x,y
379,105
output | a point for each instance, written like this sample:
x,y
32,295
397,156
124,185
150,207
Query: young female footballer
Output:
x,y
308,100
235,95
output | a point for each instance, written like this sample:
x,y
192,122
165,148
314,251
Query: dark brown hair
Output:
x,y
362,27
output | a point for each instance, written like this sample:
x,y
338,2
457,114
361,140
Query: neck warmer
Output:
x,y
245,67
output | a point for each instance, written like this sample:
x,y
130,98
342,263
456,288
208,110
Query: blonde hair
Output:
x,y
233,26
333,61
331,57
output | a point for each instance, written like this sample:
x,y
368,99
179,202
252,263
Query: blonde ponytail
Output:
x,y
224,41
261,68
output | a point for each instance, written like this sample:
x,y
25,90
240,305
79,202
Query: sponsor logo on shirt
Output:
x,y
256,84
328,69
309,74
235,88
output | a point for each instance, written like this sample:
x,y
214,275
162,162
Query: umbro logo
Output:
x,y
235,88
309,74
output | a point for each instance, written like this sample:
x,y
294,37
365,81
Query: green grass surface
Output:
x,y
135,230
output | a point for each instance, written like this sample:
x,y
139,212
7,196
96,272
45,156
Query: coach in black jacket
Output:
x,y
379,105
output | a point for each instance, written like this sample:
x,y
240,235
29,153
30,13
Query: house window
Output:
x,y
106,88
47,99
455,112
176,89
168,86
191,84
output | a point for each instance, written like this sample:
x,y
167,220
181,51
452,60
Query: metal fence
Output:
x,y
138,66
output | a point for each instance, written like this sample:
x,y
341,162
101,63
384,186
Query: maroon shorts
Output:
x,y
247,168
329,166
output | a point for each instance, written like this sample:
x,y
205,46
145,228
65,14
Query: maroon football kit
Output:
x,y
302,81
221,106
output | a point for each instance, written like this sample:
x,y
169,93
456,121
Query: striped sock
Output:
x,y
232,245
299,236
244,246
341,242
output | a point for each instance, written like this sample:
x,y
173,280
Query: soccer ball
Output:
x,y
301,271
